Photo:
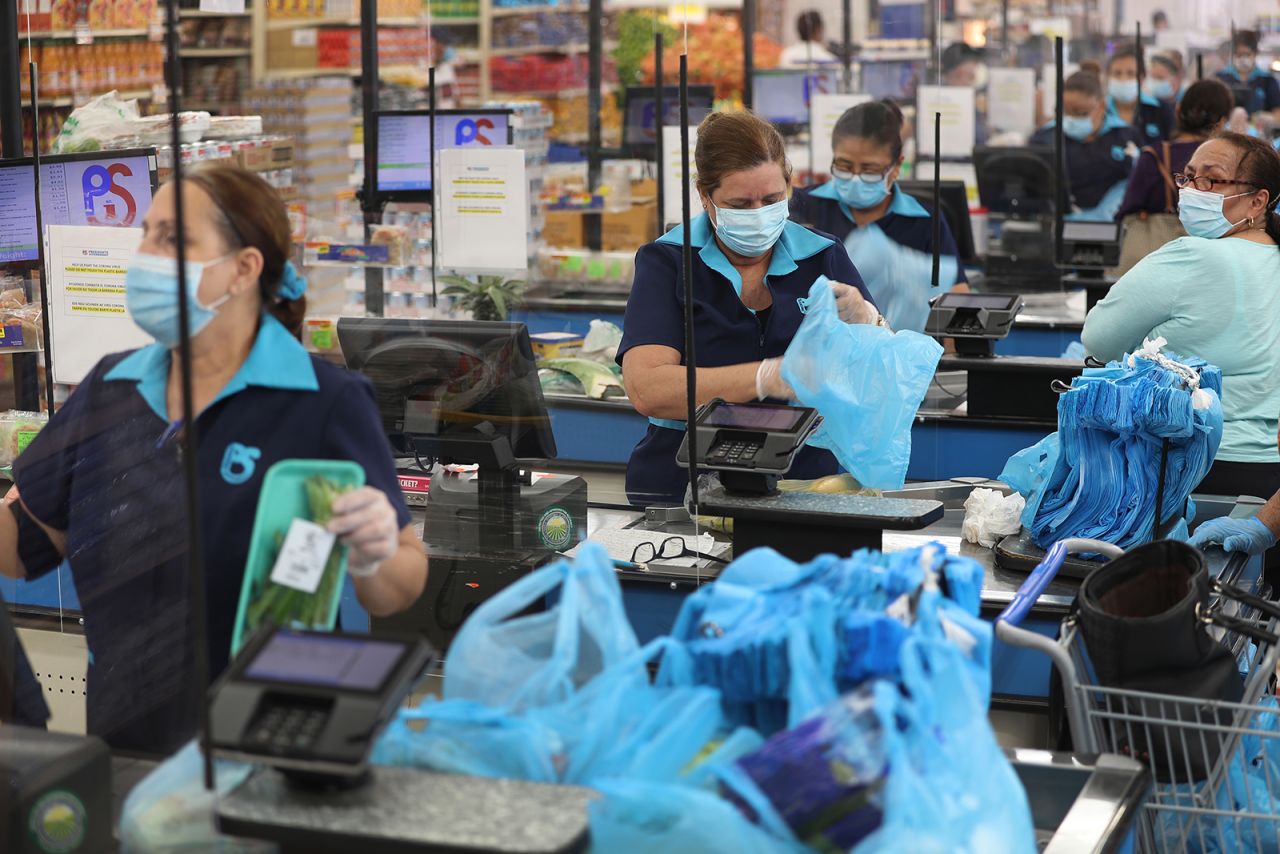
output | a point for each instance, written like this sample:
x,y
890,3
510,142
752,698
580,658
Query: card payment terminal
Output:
x,y
311,703
751,445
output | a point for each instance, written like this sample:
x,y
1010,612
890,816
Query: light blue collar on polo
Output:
x,y
903,204
276,360
1254,73
796,244
1112,119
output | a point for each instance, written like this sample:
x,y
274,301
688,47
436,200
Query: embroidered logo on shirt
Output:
x,y
238,463
1153,130
1117,152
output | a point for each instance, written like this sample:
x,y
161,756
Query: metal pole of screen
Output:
x,y
42,260
846,32
659,119
195,546
25,369
686,275
1059,154
431,158
748,50
1199,66
1142,73
937,199
370,203
595,75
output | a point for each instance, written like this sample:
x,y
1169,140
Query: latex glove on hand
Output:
x,y
1236,535
769,381
366,524
851,305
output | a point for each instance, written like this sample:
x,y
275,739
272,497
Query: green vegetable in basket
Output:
x,y
281,605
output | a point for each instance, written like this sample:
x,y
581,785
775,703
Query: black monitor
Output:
x,y
897,79
109,188
782,96
404,137
955,207
437,380
640,113
1016,181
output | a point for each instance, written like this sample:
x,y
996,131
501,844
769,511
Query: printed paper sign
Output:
x,y
824,111
484,209
1011,99
674,172
303,557
955,103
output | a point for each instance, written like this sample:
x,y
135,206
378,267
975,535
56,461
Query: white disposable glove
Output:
x,y
851,305
366,524
769,381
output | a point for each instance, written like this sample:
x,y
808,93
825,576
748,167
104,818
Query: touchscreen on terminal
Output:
x,y
747,416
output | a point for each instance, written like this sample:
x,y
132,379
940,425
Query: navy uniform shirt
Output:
x,y
726,332
1264,93
1095,167
907,222
1153,120
107,471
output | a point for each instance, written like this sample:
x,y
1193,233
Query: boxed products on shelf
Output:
x,y
339,47
569,118
552,29
455,8
583,267
545,73
71,69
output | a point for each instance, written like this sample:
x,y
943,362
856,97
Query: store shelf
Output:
x,y
198,13
461,21
305,73
97,34
214,52
277,24
503,11
572,92
73,100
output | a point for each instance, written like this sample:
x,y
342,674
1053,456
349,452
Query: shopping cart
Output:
x,y
1228,800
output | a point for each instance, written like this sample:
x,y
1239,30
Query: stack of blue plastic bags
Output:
x,y
1098,476
838,705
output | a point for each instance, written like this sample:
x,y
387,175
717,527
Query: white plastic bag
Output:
x,y
990,516
103,119
603,337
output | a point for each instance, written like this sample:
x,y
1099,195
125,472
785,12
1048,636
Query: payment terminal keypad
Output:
x,y
287,728
734,451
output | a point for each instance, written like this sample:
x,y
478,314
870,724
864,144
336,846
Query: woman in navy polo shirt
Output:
x,y
101,486
888,234
751,266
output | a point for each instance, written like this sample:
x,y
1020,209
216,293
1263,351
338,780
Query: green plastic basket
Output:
x,y
283,499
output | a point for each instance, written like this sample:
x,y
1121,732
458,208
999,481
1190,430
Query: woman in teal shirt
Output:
x,y
1216,295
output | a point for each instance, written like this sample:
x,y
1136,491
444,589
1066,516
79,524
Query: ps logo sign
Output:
x,y
99,181
468,132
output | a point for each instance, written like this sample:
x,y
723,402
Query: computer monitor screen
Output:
x,y
404,162
640,113
782,96
896,78
955,208
1016,181
109,188
441,379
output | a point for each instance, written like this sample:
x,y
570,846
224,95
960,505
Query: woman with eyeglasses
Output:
x,y
889,235
750,267
1215,294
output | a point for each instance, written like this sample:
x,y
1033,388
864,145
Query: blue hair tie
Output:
x,y
292,284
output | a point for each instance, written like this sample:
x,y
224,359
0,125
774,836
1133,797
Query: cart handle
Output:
x,y
1040,578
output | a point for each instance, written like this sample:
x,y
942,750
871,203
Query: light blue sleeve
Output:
x,y
1106,209
1144,298
899,277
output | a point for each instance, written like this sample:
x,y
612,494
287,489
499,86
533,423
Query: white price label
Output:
x,y
303,557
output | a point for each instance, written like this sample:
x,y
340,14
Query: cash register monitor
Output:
x,y
404,137
955,208
107,188
640,114
781,96
1016,182
897,79
435,379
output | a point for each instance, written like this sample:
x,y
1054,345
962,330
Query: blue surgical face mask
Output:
x,y
1123,91
151,293
751,233
1078,128
860,195
1161,89
1201,213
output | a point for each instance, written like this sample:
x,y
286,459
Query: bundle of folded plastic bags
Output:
x,y
1118,426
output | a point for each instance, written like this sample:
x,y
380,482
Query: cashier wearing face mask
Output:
x,y
1151,119
751,267
1214,295
1100,147
1245,72
1164,78
102,485
863,196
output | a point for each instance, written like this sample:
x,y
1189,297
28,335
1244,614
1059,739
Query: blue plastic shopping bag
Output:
x,y
866,381
899,278
505,658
